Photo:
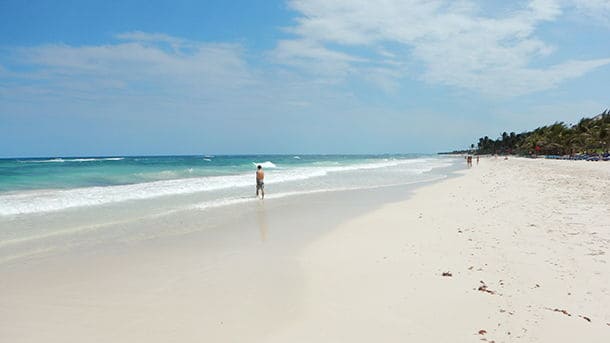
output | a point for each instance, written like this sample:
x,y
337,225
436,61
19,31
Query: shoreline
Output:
x,y
251,252
284,272
46,233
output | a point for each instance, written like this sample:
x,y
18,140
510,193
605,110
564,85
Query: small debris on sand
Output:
x,y
483,288
482,332
585,318
447,274
562,311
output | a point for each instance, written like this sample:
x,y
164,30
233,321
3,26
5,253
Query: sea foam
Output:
x,y
35,201
63,160
266,164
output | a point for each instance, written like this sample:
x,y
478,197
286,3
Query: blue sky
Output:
x,y
302,76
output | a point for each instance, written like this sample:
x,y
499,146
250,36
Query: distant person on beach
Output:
x,y
260,185
469,161
477,160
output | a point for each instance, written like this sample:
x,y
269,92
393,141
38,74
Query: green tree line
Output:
x,y
589,135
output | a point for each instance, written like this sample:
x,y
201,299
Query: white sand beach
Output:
x,y
525,244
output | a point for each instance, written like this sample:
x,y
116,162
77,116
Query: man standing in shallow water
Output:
x,y
260,176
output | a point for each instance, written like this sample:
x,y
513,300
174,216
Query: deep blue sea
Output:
x,y
51,184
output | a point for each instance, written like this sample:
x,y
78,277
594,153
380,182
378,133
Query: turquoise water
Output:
x,y
73,172
54,184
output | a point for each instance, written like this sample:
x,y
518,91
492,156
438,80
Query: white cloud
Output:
x,y
311,54
140,36
144,73
545,9
599,10
592,5
141,65
455,44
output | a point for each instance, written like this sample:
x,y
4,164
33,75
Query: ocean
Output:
x,y
40,185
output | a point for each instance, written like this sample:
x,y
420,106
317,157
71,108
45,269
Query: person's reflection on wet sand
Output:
x,y
261,216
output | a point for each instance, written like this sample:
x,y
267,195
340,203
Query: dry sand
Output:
x,y
520,239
